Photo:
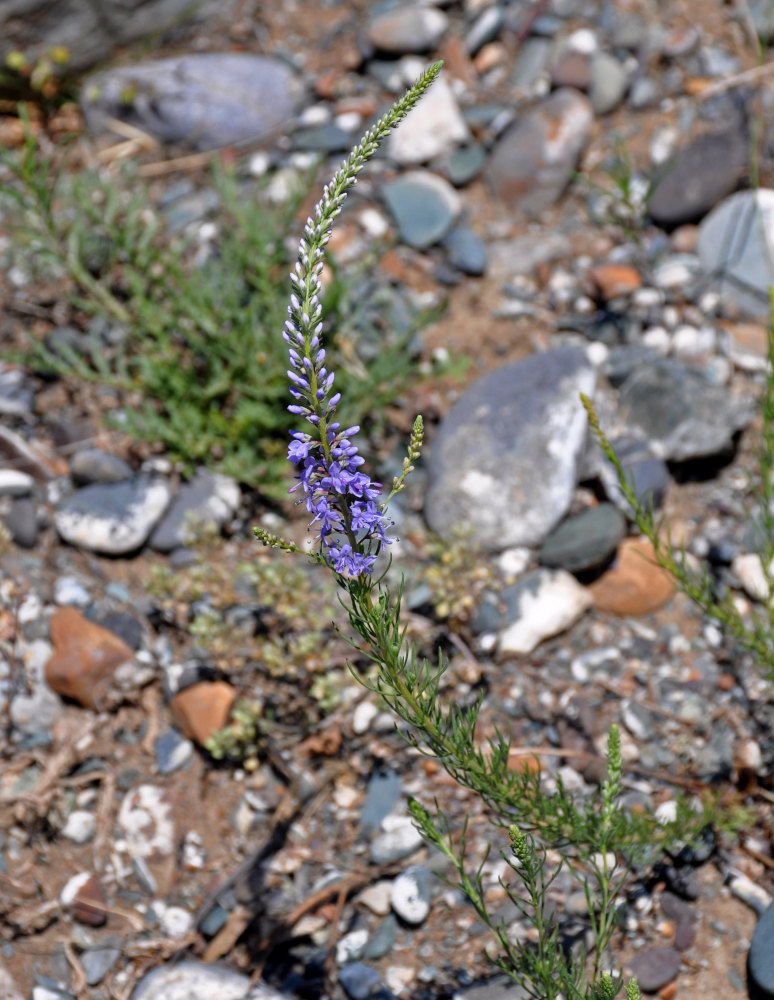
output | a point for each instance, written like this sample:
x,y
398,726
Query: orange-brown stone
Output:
x,y
85,658
634,584
203,708
609,281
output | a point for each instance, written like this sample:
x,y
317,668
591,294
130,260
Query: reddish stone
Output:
x,y
609,281
84,899
201,709
85,658
634,585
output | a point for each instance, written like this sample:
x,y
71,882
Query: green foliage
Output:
x,y
239,742
457,577
194,344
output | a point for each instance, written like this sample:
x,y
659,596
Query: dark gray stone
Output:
x,y
424,207
654,968
505,459
209,498
760,959
382,796
173,751
113,518
466,251
383,940
700,175
92,465
124,625
584,541
361,982
205,100
22,522
485,28
16,397
681,413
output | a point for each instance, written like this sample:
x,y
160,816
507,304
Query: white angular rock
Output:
x,y
431,128
552,603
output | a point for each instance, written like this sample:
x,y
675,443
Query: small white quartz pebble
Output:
x,y
80,826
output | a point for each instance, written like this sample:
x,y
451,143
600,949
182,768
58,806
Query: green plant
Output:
x,y
596,840
239,742
189,328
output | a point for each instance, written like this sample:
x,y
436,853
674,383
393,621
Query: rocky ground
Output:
x,y
577,187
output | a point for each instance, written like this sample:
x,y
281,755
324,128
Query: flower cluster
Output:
x,y
341,499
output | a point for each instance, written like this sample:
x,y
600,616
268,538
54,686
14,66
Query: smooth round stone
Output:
x,y
400,839
654,968
699,176
80,826
584,541
383,941
22,522
410,894
485,28
192,981
113,518
15,484
407,28
644,93
466,251
92,465
424,207
361,982
465,164
609,81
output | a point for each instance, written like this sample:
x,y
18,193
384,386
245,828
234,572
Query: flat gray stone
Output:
x,y
424,207
609,82
654,968
735,245
93,465
113,518
682,414
585,541
209,498
205,100
505,460
535,160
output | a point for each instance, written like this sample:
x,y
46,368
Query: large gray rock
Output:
x,y
506,457
736,249
90,29
534,161
113,518
206,100
683,415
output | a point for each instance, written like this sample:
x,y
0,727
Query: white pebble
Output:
x,y
80,826
174,921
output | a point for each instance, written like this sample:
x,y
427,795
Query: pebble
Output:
x,y
210,498
172,751
542,604
608,84
646,473
15,484
80,826
86,660
191,980
201,709
584,541
430,129
113,518
748,568
384,790
464,165
22,522
534,161
92,465
654,968
68,590
424,207
633,585
411,894
98,960
207,99
399,840
362,982
506,457
699,176
407,28
84,898
465,251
